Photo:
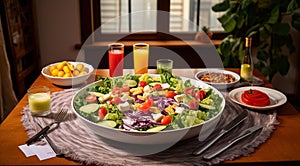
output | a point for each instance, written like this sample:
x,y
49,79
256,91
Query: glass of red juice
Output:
x,y
115,58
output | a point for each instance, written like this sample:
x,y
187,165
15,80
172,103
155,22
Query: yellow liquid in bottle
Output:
x,y
246,72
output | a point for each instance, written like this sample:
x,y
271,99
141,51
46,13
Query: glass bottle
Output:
x,y
247,62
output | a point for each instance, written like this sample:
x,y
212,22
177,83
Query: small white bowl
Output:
x,y
219,85
69,81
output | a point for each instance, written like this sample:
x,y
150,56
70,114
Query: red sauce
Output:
x,y
255,98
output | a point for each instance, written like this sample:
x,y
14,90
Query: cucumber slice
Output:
x,y
108,123
206,106
131,83
156,129
156,79
89,108
98,94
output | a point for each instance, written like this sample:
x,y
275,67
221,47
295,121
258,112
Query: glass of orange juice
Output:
x,y
39,100
140,58
115,58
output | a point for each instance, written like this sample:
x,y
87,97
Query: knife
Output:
x,y
242,135
240,118
50,142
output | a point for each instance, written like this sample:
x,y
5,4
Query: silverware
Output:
x,y
50,142
242,135
60,116
240,118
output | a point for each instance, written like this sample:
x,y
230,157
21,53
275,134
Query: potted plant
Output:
x,y
265,21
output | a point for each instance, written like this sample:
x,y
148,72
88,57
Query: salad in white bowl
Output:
x,y
147,103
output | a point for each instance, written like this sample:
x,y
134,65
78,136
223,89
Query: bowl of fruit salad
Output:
x,y
148,108
67,73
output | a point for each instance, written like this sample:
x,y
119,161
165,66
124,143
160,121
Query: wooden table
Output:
x,y
283,147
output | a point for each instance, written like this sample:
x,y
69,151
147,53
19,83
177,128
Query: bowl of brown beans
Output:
x,y
219,78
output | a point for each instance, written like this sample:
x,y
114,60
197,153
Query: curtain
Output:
x,y
8,98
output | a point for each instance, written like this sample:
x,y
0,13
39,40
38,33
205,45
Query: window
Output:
x,y
149,19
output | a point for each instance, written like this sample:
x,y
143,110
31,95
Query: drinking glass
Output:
x,y
140,58
115,56
39,100
164,65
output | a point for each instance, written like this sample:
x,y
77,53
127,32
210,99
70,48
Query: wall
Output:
x,y
58,24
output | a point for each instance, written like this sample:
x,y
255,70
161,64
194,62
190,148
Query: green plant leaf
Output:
x,y
279,41
251,34
241,51
236,44
283,65
266,71
252,29
225,47
240,21
230,24
268,28
264,33
259,65
224,17
274,15
221,7
226,61
281,29
293,5
262,55
263,45
246,3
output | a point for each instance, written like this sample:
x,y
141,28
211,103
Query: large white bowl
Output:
x,y
219,85
61,81
151,138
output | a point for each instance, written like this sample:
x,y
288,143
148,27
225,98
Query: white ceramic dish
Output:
x,y
70,80
219,85
276,98
150,138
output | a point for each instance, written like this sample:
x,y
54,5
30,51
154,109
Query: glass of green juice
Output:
x,y
39,100
164,65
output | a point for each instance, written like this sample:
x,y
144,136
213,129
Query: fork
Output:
x,y
60,116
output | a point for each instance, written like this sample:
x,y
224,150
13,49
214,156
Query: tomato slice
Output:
x,y
200,94
125,89
102,112
142,83
193,104
157,87
116,100
145,106
116,90
166,120
170,94
149,102
91,98
190,91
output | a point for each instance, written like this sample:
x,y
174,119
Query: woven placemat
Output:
x,y
76,142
